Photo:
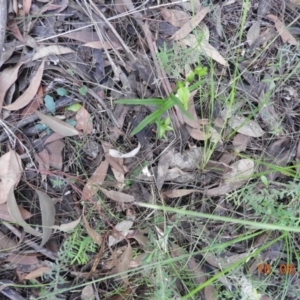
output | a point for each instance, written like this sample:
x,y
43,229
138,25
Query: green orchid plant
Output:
x,y
179,98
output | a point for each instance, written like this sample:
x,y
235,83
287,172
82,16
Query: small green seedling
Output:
x,y
181,99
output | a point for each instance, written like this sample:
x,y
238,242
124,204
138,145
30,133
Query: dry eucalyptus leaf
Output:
x,y
30,92
4,214
48,215
37,273
253,33
88,293
175,17
7,77
51,50
285,35
117,196
118,154
57,125
241,173
84,121
55,153
191,24
10,173
245,126
96,237
179,193
90,189
124,262
67,227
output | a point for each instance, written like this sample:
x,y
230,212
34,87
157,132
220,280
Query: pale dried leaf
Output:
x,y
197,134
51,50
124,263
7,77
117,196
179,193
67,227
162,168
240,142
96,237
26,6
37,273
16,215
30,92
10,173
57,125
55,153
191,24
295,2
6,243
253,33
123,227
189,159
48,215
88,293
192,111
84,121
241,173
4,214
102,45
285,35
175,17
133,153
90,189
246,126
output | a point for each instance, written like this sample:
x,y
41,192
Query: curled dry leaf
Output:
x,y
191,24
241,173
117,196
67,227
57,125
179,193
285,35
124,262
37,273
175,17
4,214
133,153
31,91
246,126
55,153
197,134
51,50
205,48
96,237
123,228
48,215
90,189
253,33
10,173
84,121
7,77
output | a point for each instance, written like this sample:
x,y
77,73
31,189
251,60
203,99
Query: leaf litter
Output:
x,y
238,157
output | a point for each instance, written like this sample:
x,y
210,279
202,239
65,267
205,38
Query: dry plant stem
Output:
x,y
3,20
102,102
32,244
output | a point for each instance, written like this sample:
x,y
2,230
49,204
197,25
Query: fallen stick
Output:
x,y
3,20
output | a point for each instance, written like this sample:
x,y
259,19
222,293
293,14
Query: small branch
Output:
x,y
3,20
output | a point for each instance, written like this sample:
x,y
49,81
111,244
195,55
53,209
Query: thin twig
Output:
x,y
3,20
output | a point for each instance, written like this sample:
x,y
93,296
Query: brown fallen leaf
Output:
x,y
7,77
7,243
90,189
285,35
37,273
84,121
245,126
102,45
240,174
30,92
124,262
57,125
240,142
13,27
253,33
197,134
26,6
4,214
117,196
10,173
191,24
175,17
42,52
178,193
96,237
24,259
55,153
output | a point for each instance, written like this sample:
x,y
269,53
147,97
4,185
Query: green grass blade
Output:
x,y
152,101
148,120
181,107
